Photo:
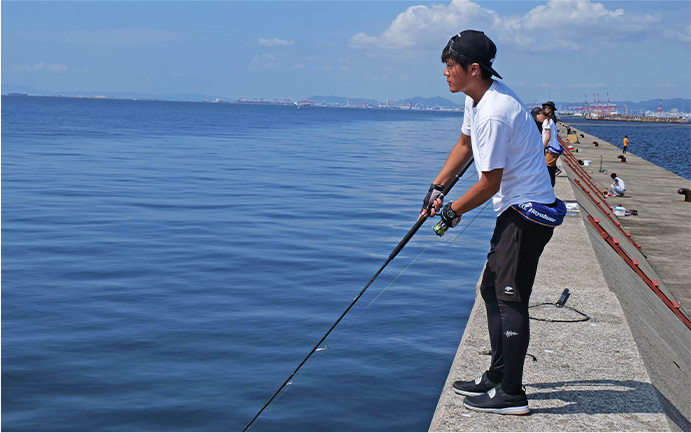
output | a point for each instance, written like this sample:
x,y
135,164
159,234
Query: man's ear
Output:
x,y
475,68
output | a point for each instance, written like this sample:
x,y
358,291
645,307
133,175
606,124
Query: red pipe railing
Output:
x,y
587,185
635,265
593,192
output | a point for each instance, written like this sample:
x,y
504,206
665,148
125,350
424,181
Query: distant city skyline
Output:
x,y
653,107
563,50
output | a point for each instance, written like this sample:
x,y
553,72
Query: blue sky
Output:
x,y
564,50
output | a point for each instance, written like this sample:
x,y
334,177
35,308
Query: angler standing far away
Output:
x,y
509,157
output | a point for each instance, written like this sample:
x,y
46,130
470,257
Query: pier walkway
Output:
x,y
627,368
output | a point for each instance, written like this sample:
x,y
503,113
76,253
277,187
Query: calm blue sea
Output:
x,y
166,266
665,144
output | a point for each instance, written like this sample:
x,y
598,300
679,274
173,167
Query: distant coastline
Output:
x,y
349,103
660,117
674,115
447,103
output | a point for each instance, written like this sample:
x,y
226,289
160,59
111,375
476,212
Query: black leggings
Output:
x,y
509,334
506,286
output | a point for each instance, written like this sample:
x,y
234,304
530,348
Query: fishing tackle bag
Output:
x,y
539,213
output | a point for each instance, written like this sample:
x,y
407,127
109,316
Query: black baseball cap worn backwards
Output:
x,y
476,46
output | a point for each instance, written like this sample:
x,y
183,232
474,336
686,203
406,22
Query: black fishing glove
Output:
x,y
432,195
448,216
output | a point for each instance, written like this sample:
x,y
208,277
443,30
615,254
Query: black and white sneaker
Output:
x,y
497,401
473,388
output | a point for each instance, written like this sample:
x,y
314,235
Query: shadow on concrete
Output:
x,y
603,396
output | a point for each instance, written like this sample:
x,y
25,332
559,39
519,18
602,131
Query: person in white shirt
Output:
x,y
551,143
618,187
509,157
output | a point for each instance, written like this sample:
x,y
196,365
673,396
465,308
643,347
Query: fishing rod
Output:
x,y
393,254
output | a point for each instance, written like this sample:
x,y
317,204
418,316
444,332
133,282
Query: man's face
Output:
x,y
456,77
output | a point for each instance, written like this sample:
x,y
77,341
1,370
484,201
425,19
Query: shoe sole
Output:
x,y
467,393
515,410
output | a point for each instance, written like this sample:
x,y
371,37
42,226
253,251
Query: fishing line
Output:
x,y
334,340
418,256
355,319
407,267
421,220
464,228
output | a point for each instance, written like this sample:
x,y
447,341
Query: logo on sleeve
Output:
x,y
508,290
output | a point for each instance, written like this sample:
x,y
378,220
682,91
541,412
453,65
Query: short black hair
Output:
x,y
460,59
614,175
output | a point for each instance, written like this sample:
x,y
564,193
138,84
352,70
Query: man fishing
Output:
x,y
509,157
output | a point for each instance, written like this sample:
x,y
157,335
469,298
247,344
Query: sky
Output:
x,y
562,50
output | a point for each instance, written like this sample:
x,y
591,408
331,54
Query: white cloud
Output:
x,y
53,67
275,42
422,26
681,36
558,24
56,67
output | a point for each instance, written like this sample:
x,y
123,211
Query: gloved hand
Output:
x,y
448,216
432,195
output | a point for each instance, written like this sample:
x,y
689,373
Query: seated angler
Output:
x,y
618,187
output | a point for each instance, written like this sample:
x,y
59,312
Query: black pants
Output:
x,y
506,286
552,174
625,149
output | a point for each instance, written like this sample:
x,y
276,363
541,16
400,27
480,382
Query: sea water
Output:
x,y
167,265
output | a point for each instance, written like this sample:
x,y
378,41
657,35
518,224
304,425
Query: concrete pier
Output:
x,y
627,368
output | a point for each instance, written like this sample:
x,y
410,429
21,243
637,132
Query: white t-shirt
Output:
x,y
503,135
620,184
553,145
